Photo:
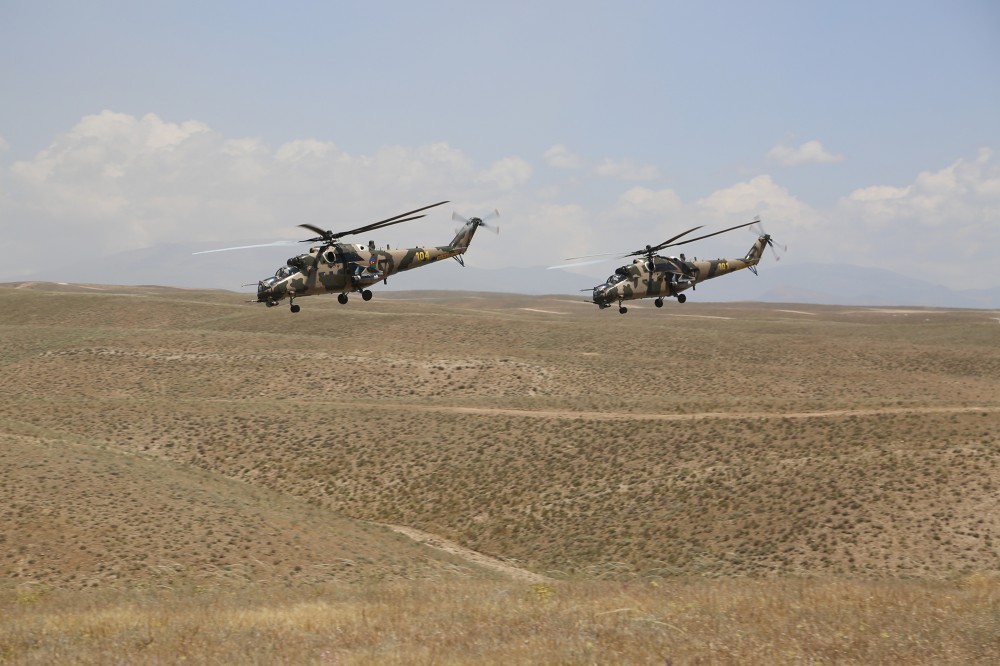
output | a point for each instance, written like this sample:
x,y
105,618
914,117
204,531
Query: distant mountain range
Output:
x,y
832,284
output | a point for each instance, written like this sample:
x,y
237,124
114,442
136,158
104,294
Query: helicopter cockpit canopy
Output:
x,y
614,279
284,272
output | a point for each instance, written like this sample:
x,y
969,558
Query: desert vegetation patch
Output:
x,y
158,439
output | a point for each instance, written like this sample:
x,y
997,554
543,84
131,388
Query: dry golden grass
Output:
x,y
231,459
666,622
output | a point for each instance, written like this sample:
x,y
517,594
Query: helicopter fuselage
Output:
x,y
341,268
659,277
344,268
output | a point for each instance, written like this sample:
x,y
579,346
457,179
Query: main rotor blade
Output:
x,y
331,236
655,248
315,230
380,225
440,203
387,221
247,247
667,242
691,240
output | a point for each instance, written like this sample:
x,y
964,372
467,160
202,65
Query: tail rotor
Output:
x,y
758,230
492,215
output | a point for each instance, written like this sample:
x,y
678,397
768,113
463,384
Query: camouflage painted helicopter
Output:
x,y
342,268
653,276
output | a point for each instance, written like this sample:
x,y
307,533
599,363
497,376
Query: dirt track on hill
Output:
x,y
475,557
621,416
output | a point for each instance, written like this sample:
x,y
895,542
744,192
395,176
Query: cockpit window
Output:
x,y
284,272
615,279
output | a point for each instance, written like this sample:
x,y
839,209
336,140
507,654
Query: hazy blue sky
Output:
x,y
867,128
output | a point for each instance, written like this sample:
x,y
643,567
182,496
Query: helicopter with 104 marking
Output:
x,y
343,268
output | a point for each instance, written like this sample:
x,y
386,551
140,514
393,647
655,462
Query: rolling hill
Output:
x,y
156,430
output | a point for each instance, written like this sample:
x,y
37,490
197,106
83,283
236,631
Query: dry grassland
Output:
x,y
736,621
788,478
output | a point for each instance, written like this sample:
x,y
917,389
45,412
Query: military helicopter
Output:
x,y
342,268
653,276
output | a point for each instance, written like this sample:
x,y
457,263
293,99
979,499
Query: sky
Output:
x,y
862,133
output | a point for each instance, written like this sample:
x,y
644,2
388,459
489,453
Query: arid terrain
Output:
x,y
437,477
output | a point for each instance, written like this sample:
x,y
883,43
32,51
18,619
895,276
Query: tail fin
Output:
x,y
757,250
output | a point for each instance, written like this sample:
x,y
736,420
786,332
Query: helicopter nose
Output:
x,y
264,291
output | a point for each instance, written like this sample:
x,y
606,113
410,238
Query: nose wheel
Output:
x,y
342,298
366,295
658,302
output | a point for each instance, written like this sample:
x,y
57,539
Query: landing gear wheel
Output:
x,y
623,309
681,298
342,299
366,295
294,308
658,302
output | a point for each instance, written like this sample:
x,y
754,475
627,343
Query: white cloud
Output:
x,y
294,151
879,193
248,147
642,200
757,196
810,152
115,182
955,209
625,169
506,174
159,135
560,157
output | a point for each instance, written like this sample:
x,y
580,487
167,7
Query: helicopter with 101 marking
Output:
x,y
653,276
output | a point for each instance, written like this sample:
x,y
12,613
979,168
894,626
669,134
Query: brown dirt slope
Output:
x,y
80,516
717,440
